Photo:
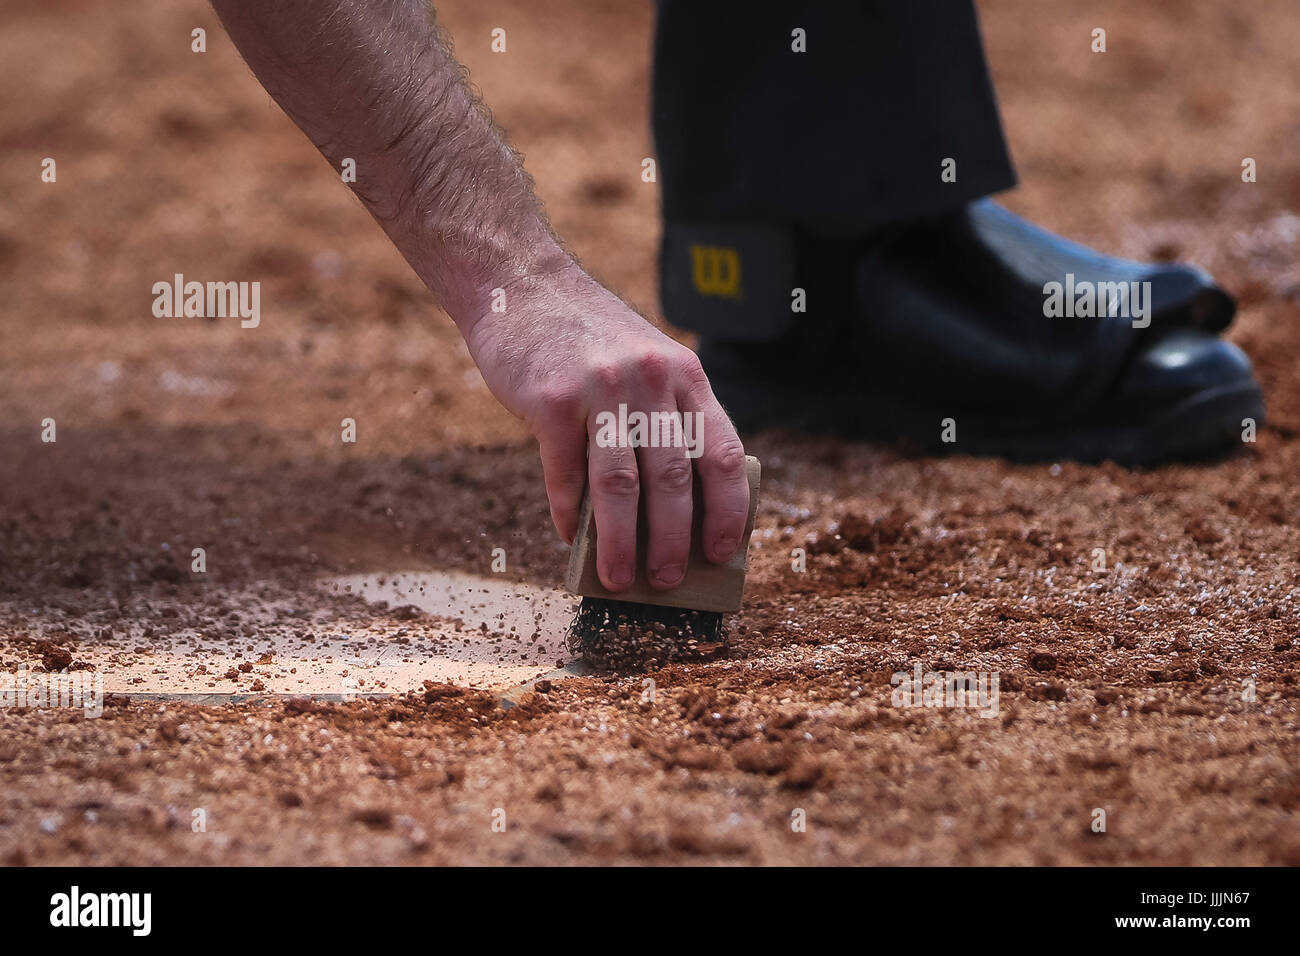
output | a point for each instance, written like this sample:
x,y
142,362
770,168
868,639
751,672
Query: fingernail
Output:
x,y
725,548
621,577
669,574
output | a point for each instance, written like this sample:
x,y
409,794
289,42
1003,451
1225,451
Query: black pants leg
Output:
x,y
769,158
847,135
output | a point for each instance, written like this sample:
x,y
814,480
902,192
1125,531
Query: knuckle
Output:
x,y
563,399
607,376
690,369
675,476
653,369
617,482
694,378
726,459
666,544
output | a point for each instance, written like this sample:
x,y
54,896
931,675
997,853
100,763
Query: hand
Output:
x,y
566,350
377,83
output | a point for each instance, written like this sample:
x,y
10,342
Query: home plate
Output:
x,y
355,636
479,632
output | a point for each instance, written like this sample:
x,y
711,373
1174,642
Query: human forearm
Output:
x,y
375,81
372,80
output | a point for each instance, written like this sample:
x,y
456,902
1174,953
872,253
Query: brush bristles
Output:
x,y
621,635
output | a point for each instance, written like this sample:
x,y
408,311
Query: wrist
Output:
x,y
505,296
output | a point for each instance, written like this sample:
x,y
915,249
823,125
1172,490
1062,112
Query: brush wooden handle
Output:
x,y
706,586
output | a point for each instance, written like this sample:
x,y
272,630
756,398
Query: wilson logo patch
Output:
x,y
715,270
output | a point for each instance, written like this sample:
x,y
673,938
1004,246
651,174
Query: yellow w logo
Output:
x,y
715,270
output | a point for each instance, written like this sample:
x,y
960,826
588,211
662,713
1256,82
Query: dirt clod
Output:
x,y
55,657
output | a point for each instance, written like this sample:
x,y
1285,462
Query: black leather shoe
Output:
x,y
1184,395
935,332
1013,259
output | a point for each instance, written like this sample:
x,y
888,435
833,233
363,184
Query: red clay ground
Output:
x,y
1121,689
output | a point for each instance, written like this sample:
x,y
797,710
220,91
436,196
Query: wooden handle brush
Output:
x,y
641,626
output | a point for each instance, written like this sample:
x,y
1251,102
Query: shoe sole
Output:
x,y
1205,423
1208,422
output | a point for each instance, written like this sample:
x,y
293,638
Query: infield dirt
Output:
x,y
1123,689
